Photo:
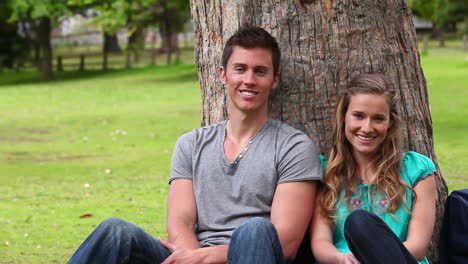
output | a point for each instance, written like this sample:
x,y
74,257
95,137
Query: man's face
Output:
x,y
249,78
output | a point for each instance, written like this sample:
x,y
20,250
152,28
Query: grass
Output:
x,y
58,138
100,143
447,82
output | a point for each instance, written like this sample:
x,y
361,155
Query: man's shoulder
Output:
x,y
284,127
288,132
202,132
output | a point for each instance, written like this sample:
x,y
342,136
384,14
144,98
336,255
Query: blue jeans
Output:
x,y
372,241
453,246
255,241
119,241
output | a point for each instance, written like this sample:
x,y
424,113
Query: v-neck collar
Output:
x,y
243,152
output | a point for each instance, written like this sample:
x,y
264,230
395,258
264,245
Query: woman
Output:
x,y
377,204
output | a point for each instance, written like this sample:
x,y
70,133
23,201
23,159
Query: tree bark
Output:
x,y
136,43
111,43
174,42
324,44
44,30
166,31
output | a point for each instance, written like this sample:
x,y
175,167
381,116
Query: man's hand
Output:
x,y
180,254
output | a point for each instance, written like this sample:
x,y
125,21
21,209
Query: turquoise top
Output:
x,y
415,167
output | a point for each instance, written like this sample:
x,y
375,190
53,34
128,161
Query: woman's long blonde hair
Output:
x,y
341,167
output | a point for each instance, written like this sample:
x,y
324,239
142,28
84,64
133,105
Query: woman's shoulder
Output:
x,y
416,166
323,162
415,159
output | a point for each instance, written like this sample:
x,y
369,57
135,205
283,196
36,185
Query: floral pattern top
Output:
x,y
415,167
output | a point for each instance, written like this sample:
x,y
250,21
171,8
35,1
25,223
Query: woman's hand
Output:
x,y
347,258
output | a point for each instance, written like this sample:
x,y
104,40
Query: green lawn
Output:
x,y
447,82
58,139
100,143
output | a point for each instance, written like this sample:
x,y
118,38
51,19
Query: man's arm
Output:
x,y
291,212
181,222
182,214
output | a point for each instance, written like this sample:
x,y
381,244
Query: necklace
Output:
x,y
239,157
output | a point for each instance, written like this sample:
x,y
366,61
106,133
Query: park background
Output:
x,y
94,139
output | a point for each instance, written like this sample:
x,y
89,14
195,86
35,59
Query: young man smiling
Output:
x,y
241,191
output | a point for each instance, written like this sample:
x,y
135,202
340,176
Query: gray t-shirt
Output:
x,y
227,194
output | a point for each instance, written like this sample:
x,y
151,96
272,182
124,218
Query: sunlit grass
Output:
x,y
447,82
99,145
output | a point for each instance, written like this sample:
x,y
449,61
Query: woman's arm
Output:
x,y
422,220
322,240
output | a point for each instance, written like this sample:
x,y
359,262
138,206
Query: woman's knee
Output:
x,y
357,222
362,224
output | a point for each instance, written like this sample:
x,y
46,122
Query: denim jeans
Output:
x,y
255,241
453,245
119,241
372,241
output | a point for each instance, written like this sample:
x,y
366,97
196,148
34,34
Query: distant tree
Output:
x,y
14,48
452,12
136,15
42,14
175,14
441,12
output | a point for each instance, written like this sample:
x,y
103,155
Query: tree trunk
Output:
x,y
465,43
136,43
105,56
442,39
111,43
173,42
166,32
43,34
324,44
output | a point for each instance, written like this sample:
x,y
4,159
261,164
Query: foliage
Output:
x,y
14,48
462,27
133,14
32,9
441,12
452,11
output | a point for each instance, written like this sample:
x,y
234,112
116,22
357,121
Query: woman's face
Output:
x,y
367,121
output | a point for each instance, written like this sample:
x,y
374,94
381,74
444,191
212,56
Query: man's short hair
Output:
x,y
253,37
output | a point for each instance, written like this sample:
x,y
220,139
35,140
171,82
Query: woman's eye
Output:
x,y
358,116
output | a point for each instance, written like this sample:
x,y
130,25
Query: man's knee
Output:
x,y
118,226
256,227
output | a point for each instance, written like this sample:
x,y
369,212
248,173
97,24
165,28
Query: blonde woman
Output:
x,y
378,203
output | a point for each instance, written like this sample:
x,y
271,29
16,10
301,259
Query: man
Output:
x,y
241,191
